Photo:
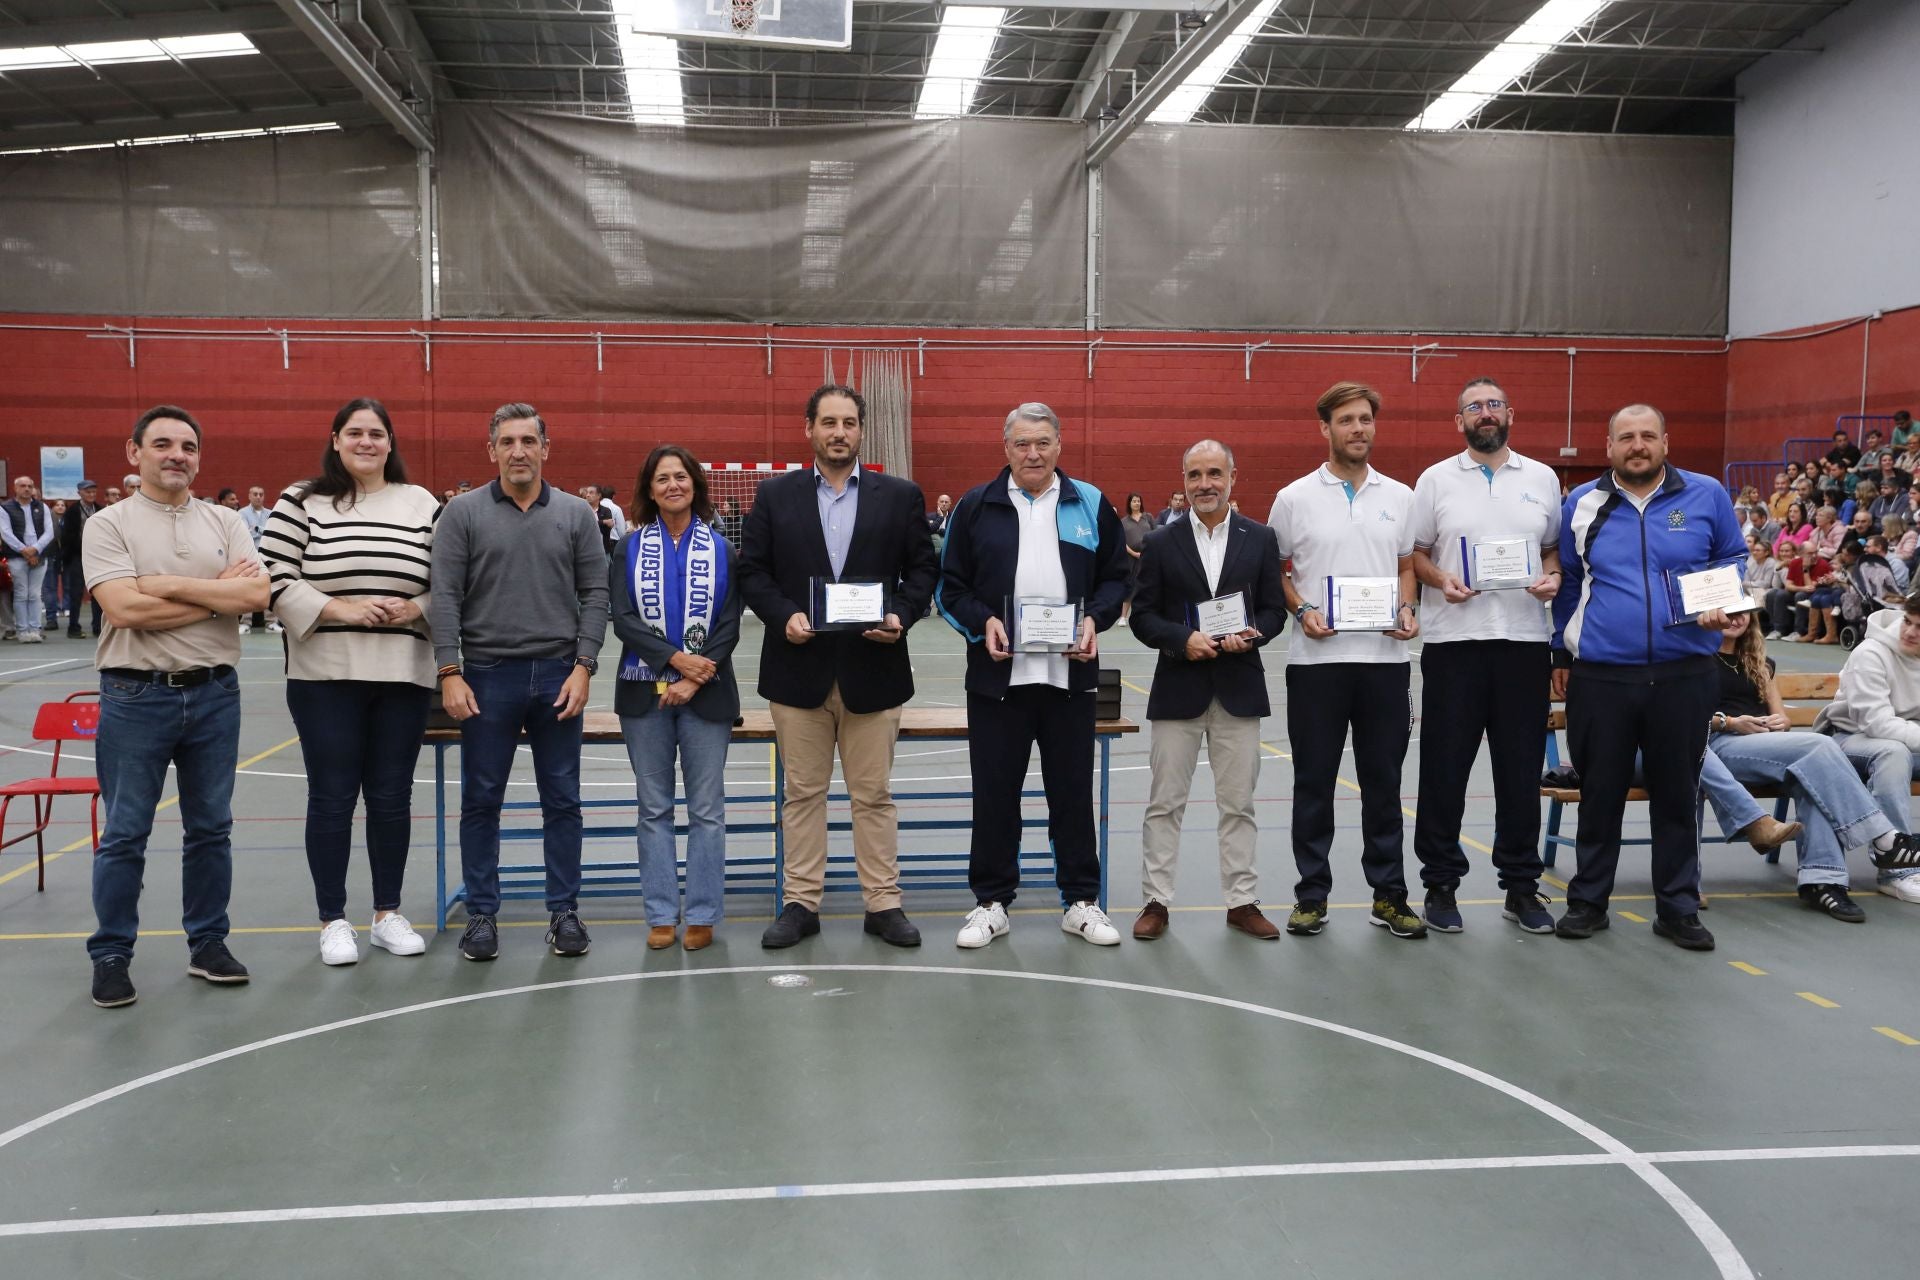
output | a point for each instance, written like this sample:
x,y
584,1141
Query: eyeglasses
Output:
x,y
1484,406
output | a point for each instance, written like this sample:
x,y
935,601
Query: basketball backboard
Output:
x,y
809,24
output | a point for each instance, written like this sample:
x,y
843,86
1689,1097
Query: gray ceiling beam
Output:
x,y
99,131
247,20
1319,39
1117,53
392,24
333,42
1172,74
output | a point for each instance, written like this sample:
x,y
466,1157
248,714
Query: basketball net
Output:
x,y
744,16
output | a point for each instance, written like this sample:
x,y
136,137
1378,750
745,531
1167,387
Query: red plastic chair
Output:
x,y
68,720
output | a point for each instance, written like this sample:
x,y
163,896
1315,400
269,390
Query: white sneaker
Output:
x,y
396,935
982,926
1091,923
1905,888
275,627
246,628
32,637
338,944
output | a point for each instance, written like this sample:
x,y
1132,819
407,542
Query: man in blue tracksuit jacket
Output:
x,y
1635,679
1033,532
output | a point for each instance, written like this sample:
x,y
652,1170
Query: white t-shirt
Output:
x,y
1459,499
1038,572
1328,531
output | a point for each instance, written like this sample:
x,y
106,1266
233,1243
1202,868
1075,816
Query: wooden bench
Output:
x,y
1804,693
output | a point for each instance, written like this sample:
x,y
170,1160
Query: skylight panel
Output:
x,y
1511,59
653,69
113,53
959,58
1190,95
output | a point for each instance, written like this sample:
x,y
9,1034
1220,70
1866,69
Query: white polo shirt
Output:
x,y
1328,531
1038,572
1458,498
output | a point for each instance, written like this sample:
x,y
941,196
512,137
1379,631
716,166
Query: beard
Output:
x,y
1488,438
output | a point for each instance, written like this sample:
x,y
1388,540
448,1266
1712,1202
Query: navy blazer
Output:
x,y
1172,580
782,548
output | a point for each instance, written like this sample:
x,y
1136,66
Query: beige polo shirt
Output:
x,y
137,537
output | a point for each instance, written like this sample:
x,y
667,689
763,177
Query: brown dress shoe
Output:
x,y
1151,922
1766,833
1248,920
660,937
699,936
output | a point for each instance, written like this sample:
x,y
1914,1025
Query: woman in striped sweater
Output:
x,y
348,552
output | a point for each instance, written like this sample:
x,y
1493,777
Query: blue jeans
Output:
x,y
652,741
1838,812
1734,807
516,695
143,728
52,595
26,593
1889,768
358,737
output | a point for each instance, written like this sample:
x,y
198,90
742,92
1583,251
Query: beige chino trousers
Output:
x,y
1233,751
806,738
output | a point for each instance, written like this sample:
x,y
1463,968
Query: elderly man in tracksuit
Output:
x,y
1032,532
1636,678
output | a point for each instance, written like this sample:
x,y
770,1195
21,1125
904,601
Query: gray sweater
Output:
x,y
509,583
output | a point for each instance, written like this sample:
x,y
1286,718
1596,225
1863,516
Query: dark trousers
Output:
x,y
358,737
1779,605
77,587
1661,712
1324,700
1001,733
1472,687
515,695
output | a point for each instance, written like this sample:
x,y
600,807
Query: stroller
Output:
x,y
1870,585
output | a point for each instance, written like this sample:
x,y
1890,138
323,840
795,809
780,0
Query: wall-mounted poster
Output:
x,y
61,468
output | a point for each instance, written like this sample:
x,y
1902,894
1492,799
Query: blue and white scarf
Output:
x,y
675,593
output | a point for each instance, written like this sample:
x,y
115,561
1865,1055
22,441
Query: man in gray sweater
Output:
x,y
519,614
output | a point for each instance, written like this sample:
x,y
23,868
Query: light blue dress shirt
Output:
x,y
837,513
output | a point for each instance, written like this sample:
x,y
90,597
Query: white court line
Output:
x,y
919,1186
1726,1256
58,662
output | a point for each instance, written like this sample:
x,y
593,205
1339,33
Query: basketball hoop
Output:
x,y
744,16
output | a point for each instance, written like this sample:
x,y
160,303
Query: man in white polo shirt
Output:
x,y
1486,536
1348,531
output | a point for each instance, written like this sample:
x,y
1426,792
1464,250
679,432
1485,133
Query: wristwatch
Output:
x,y
1305,608
1720,721
591,664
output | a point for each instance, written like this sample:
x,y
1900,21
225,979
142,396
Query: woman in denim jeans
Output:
x,y
676,609
1751,737
349,554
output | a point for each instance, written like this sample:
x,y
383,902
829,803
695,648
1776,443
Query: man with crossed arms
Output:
x,y
1206,686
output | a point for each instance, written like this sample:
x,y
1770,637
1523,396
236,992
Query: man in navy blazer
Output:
x,y
1209,684
838,521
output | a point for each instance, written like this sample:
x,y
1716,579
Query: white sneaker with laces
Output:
x,y
246,628
275,627
1905,888
1090,922
338,943
983,925
395,934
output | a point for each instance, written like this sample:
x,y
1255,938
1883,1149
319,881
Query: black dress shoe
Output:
x,y
795,922
892,927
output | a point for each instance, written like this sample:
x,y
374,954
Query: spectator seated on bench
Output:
x,y
1874,719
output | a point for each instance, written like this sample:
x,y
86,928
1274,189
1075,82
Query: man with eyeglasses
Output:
x,y
1486,535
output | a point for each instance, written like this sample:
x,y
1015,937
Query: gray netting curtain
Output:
x,y
962,222
322,224
1207,227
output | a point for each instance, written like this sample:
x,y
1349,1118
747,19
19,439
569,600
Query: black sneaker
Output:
x,y
1834,900
1582,920
795,922
481,941
1528,909
566,935
216,964
75,633
112,985
892,927
1904,855
1685,932
1443,912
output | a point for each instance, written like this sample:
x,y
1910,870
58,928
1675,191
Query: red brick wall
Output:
x,y
1796,385
1126,426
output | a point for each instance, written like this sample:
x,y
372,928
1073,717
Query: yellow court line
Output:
x,y
1744,967
1628,915
1891,1034
87,840
1811,998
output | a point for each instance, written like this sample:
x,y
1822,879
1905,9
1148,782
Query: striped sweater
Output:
x,y
379,546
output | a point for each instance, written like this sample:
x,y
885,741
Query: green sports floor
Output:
x,y
1477,1105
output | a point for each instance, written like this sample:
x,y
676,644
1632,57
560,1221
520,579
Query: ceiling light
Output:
x,y
1511,59
960,52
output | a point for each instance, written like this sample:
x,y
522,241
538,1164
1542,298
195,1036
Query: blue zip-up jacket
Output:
x,y
1612,607
977,565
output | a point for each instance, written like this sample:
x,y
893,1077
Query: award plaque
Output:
x,y
1363,604
1691,594
1497,564
1042,625
848,605
1221,616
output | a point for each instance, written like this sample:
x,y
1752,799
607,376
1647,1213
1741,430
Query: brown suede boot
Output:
x,y
1766,833
660,937
699,937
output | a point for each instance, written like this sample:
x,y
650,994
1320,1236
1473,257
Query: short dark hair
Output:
x,y
836,389
222,496
1912,607
645,510
158,412
1341,392
513,412
1471,383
